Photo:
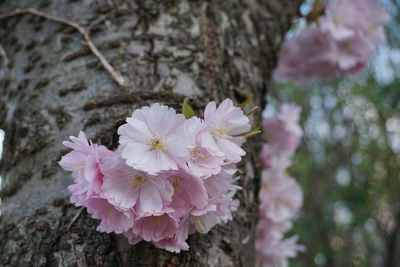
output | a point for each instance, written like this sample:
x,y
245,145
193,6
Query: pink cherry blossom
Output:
x,y
269,233
205,219
343,19
341,42
169,177
278,252
78,191
155,227
172,245
127,188
224,124
226,205
269,229
178,241
283,134
200,163
217,211
356,26
84,161
112,219
346,18
219,184
281,196
353,53
283,130
150,141
133,239
273,157
272,249
308,55
188,192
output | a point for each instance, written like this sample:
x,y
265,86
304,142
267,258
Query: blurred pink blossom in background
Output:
x,y
280,196
340,42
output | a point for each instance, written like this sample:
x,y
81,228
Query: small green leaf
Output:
x,y
187,110
251,111
246,102
249,134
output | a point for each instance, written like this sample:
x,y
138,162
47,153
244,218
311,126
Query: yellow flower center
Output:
x,y
195,154
138,180
177,184
220,132
156,144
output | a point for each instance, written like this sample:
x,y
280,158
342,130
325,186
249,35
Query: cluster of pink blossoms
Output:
x,y
341,42
280,196
169,177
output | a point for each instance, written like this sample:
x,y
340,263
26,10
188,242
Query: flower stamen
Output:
x,y
197,219
156,144
138,180
220,132
177,184
195,154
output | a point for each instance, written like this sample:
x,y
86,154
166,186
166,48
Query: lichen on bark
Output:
x,y
53,87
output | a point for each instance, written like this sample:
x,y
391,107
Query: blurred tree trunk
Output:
x,y
53,86
393,242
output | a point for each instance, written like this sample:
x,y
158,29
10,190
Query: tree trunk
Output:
x,y
53,86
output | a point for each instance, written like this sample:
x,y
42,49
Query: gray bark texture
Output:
x,y
53,86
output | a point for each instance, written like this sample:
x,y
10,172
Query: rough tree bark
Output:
x,y
53,86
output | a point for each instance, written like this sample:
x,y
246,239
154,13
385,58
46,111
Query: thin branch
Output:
x,y
75,218
116,76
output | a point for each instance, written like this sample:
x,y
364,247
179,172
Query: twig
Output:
x,y
116,76
75,218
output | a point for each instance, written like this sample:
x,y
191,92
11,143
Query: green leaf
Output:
x,y
251,111
187,110
246,102
249,134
